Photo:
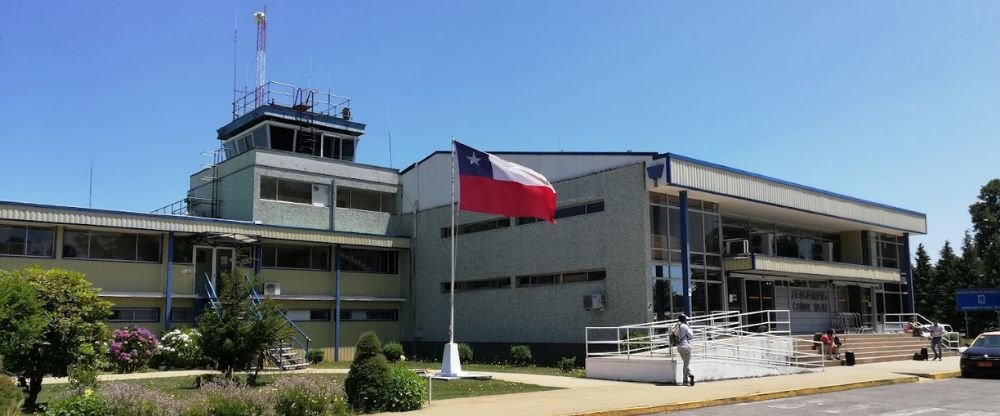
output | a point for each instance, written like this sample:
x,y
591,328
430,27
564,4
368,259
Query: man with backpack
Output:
x,y
681,335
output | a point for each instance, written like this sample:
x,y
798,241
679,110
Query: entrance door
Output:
x,y
209,262
759,297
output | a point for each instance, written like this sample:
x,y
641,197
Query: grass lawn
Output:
x,y
499,368
183,387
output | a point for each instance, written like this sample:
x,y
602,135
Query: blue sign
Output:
x,y
971,300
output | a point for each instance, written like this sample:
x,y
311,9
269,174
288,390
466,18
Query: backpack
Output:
x,y
675,338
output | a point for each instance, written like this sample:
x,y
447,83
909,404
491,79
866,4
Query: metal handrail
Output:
x,y
290,96
255,298
951,338
714,334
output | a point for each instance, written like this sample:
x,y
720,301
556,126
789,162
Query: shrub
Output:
x,y
83,404
227,398
11,397
393,351
315,356
464,353
303,396
368,345
179,349
566,364
368,376
365,383
131,348
520,354
130,400
405,392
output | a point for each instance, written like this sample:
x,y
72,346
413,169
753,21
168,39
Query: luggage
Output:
x,y
849,358
923,354
916,356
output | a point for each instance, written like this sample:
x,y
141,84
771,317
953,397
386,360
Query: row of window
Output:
x,y
498,223
109,245
299,192
291,256
26,241
527,280
304,141
298,315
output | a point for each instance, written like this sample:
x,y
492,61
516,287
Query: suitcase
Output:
x,y
923,354
849,358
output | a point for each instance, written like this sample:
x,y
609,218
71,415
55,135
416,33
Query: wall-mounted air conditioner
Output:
x,y
737,247
272,289
762,243
593,302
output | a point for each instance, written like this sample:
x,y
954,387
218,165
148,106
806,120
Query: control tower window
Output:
x,y
307,143
282,138
347,149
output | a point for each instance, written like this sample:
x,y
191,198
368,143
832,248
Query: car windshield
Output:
x,y
987,341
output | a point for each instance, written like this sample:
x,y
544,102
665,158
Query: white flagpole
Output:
x,y
451,366
451,321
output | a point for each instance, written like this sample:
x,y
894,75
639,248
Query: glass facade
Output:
x,y
782,240
705,237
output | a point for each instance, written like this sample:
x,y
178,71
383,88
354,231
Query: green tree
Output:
x,y
68,332
923,280
986,223
238,334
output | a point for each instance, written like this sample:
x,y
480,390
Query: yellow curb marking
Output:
x,y
645,410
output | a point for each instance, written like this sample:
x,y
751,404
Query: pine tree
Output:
x,y
947,277
986,223
923,278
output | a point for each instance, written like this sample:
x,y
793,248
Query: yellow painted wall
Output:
x,y
107,275
301,282
370,284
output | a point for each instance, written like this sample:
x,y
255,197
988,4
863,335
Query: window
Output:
x,y
27,241
184,249
571,211
182,314
305,315
308,143
135,315
294,191
567,277
498,283
476,227
369,261
286,256
366,200
282,138
105,245
369,315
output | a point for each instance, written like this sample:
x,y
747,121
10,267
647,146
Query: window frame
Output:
x,y
90,235
27,242
133,310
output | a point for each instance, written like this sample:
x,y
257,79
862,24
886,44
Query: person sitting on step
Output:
x,y
830,348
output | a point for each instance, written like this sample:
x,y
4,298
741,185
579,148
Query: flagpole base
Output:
x,y
451,366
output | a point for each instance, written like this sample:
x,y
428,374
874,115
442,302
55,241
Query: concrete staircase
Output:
x,y
874,348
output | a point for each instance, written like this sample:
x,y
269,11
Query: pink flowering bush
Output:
x,y
131,348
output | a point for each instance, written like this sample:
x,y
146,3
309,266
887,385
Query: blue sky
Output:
x,y
892,101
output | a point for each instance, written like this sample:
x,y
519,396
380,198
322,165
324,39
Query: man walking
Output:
x,y
684,334
937,331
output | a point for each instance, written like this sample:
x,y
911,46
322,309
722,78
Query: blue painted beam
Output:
x,y
168,308
908,270
336,309
685,254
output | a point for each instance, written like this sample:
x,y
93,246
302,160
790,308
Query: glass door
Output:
x,y
209,262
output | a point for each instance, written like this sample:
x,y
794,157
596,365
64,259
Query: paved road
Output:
x,y
952,397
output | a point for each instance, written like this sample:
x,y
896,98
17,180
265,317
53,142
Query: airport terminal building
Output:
x,y
345,247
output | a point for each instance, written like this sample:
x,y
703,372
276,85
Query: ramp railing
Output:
x,y
761,338
900,322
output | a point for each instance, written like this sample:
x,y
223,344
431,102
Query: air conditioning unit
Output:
x,y
827,253
272,289
737,247
762,243
593,302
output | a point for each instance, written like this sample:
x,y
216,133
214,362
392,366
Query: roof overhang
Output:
x,y
798,268
750,194
231,229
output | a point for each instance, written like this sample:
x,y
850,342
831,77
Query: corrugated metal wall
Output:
x,y
707,178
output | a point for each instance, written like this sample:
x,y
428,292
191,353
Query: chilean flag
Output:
x,y
492,185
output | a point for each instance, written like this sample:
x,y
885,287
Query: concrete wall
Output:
x,y
615,239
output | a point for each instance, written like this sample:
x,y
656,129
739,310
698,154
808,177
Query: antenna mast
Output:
x,y
261,56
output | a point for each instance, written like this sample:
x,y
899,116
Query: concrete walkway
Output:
x,y
598,397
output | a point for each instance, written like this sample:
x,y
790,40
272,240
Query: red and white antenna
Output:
x,y
261,56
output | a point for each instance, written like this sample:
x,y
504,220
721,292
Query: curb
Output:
x,y
673,407
937,376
